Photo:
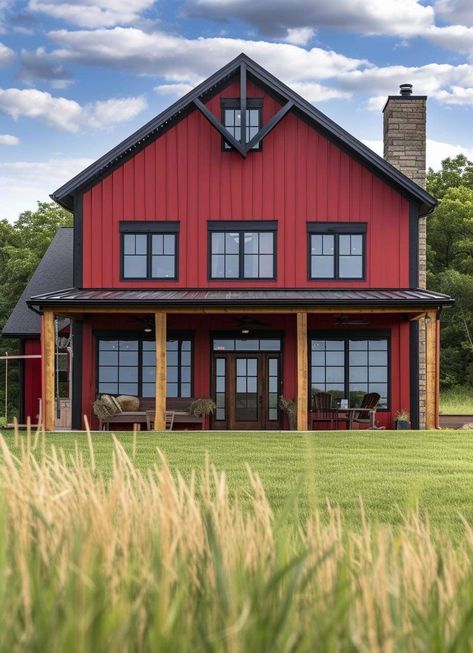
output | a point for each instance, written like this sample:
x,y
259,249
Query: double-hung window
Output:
x,y
127,365
242,250
149,250
231,120
351,365
337,250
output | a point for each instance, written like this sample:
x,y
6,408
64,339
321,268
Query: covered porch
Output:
x,y
246,354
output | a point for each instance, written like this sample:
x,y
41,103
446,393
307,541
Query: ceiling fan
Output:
x,y
249,322
345,320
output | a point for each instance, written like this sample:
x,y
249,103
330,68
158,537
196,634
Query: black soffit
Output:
x,y
234,298
195,100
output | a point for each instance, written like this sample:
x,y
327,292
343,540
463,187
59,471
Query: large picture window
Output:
x,y
242,250
336,250
149,250
351,366
128,366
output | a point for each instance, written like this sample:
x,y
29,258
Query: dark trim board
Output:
x,y
78,238
413,245
76,403
414,373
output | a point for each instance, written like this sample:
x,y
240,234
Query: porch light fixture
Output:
x,y
245,332
427,319
148,329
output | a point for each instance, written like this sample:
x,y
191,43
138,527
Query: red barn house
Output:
x,y
242,246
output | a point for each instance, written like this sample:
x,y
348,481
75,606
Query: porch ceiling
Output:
x,y
311,299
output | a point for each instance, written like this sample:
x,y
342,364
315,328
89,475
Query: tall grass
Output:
x,y
457,401
144,561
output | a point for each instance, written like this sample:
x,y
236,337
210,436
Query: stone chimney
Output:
x,y
404,148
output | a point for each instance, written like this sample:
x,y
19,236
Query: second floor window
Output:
x,y
149,250
336,250
231,118
242,250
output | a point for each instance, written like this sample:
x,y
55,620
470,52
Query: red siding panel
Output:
x,y
298,176
32,380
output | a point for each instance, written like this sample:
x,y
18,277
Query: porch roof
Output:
x,y
225,298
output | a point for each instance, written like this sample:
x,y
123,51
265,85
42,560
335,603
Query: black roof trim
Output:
x,y
210,297
64,194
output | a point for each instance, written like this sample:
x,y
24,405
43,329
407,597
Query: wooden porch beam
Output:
x,y
219,127
432,370
414,312
160,391
47,369
302,372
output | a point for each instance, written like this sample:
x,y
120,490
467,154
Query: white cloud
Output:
x,y
275,17
23,183
182,60
7,139
299,35
7,56
176,90
455,11
67,114
456,95
437,151
93,13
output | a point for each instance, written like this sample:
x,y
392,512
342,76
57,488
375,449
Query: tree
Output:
x,y
22,246
450,232
450,265
453,173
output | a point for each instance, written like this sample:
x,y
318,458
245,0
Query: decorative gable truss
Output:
x,y
242,146
197,98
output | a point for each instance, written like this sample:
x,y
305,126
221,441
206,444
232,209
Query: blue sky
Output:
x,y
78,77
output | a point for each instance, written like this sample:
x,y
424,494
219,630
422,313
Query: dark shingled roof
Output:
x,y
230,298
54,271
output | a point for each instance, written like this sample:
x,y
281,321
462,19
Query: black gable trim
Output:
x,y
209,87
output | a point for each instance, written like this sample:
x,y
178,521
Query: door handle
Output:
x,y
260,399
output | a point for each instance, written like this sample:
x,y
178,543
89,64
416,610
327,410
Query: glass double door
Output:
x,y
246,390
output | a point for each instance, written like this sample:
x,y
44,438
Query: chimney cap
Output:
x,y
405,89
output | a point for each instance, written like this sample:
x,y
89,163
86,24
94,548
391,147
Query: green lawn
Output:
x,y
457,401
390,470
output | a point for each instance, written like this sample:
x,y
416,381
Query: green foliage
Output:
x,y
22,246
457,401
450,265
454,172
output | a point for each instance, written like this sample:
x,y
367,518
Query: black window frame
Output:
x,y
138,335
368,334
235,104
242,227
149,229
336,229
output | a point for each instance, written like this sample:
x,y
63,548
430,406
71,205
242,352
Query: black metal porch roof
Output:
x,y
234,297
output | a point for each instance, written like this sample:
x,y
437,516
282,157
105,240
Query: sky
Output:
x,y
76,78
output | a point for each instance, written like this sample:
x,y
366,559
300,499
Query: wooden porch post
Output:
x,y
432,371
160,393
302,372
47,369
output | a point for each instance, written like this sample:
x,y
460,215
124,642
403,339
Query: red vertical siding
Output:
x,y
298,176
32,380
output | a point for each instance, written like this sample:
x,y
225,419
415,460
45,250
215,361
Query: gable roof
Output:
x,y
178,110
54,272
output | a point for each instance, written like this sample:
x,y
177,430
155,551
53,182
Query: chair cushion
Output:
x,y
128,404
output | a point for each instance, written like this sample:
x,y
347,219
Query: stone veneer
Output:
x,y
405,148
